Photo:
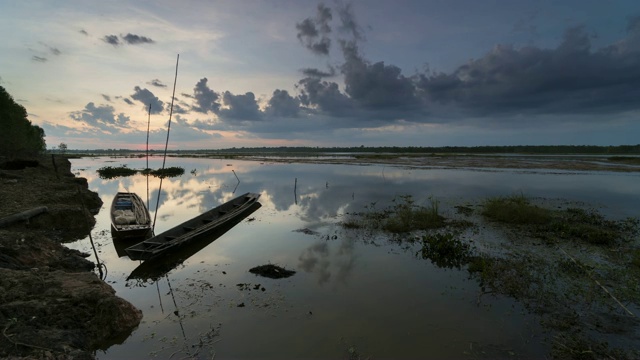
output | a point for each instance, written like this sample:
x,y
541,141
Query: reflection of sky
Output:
x,y
359,292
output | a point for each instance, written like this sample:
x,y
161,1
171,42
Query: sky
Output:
x,y
254,73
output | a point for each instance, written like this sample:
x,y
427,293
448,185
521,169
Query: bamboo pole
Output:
x,y
597,282
166,145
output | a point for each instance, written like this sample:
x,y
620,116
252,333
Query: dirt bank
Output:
x,y
52,303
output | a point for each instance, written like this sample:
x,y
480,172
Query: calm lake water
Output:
x,y
354,292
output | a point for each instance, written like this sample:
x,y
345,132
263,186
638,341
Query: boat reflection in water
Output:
x,y
158,266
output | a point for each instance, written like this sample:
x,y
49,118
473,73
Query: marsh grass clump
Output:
x,y
515,209
405,216
590,227
112,172
172,171
555,225
521,277
272,271
444,250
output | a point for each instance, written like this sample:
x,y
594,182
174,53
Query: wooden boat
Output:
x,y
157,267
129,216
193,229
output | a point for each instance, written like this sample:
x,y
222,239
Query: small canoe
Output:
x,y
155,268
193,229
129,216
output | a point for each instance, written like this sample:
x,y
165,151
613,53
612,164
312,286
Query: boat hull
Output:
x,y
192,230
129,216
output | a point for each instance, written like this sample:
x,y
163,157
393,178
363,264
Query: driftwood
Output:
x,y
25,215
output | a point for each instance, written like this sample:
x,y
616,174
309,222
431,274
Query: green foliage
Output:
x,y
444,250
625,160
405,216
515,209
570,224
18,137
166,172
111,172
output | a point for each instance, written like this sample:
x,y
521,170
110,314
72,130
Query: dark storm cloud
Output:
x,y
178,109
133,39
375,86
157,83
205,125
239,107
206,100
102,117
324,96
282,104
348,21
39,58
111,39
311,72
313,32
146,97
572,78
130,39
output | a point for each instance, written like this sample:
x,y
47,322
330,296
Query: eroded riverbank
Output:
x,y
52,303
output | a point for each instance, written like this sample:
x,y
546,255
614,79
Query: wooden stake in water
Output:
x,y
166,145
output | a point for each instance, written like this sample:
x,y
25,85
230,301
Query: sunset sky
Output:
x,y
333,73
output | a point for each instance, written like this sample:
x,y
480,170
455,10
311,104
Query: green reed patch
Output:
x,y
112,172
406,216
402,217
444,250
172,171
573,224
515,209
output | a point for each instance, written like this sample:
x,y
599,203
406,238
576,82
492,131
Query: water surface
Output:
x,y
354,293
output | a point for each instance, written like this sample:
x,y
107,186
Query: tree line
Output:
x,y
18,136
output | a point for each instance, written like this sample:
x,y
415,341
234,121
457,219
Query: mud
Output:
x,y
52,303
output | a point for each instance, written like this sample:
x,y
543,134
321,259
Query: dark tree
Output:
x,y
18,137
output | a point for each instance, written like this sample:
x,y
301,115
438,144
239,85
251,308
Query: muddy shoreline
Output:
x,y
53,305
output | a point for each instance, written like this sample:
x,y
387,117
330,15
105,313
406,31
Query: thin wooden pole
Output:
x,y
95,252
147,168
166,145
598,283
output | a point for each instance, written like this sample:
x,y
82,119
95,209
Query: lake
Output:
x,y
355,294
